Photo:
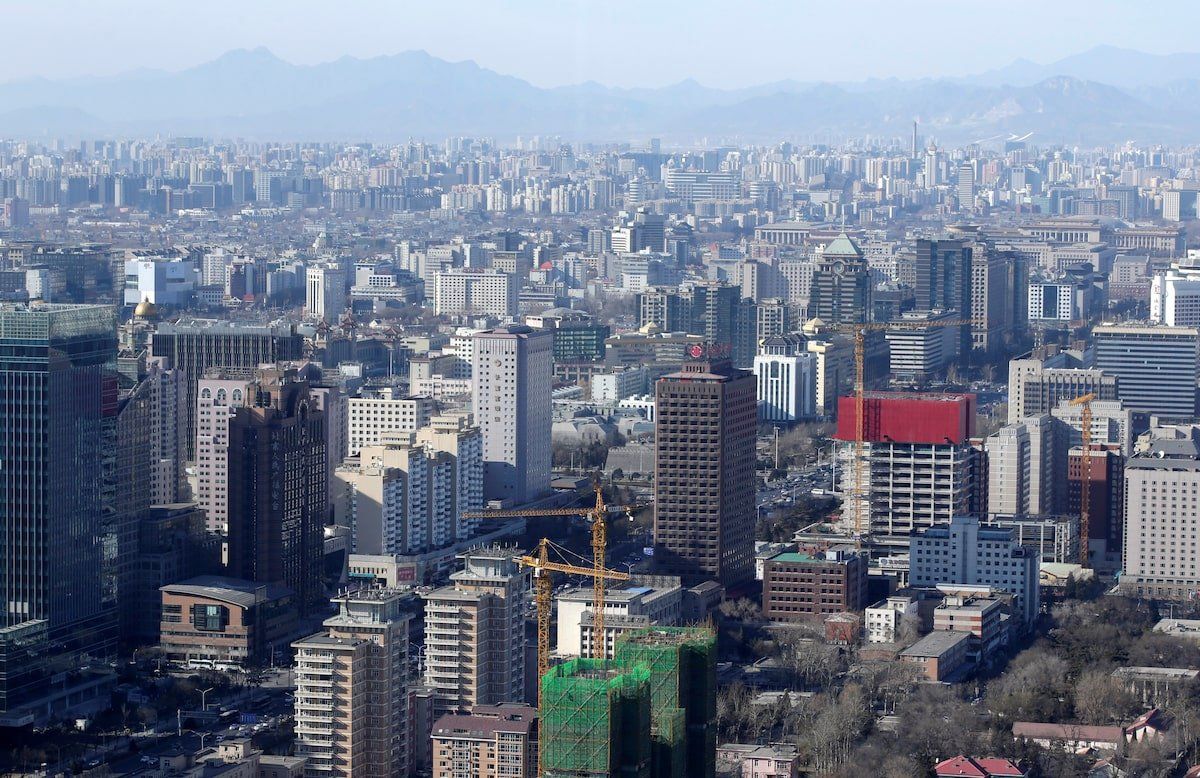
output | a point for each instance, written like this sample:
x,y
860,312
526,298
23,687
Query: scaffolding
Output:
x,y
595,720
681,662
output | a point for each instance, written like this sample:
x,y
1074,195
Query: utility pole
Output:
x,y
777,448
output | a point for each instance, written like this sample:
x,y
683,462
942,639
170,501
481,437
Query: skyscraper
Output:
x,y
513,370
1156,367
58,399
944,282
841,284
278,487
704,507
195,345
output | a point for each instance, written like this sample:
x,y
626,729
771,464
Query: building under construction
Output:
x,y
683,696
646,714
595,720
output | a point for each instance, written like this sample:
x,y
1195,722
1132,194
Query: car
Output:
x,y
93,763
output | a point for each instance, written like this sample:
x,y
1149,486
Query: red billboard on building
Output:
x,y
910,418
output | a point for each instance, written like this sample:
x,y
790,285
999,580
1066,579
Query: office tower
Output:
x,y
965,185
58,394
651,229
991,308
722,317
666,309
1024,468
352,688
944,274
961,551
1175,296
773,317
325,292
470,292
278,500
923,348
217,402
1036,388
456,436
475,633
1156,366
195,345
378,413
512,368
786,375
704,509
841,284
921,469
1162,519
492,741
596,719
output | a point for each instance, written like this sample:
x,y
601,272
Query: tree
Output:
x,y
1035,688
1100,698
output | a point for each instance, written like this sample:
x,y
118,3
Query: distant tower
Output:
x,y
916,142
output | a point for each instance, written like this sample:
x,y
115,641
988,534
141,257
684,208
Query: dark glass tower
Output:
x,y
58,400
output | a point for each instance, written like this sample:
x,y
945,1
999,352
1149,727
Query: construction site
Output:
x,y
648,713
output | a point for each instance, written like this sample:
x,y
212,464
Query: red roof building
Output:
x,y
987,767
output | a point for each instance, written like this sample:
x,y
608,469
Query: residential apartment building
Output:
x,y
467,291
492,741
376,413
475,633
352,688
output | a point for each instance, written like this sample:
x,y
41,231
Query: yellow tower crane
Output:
x,y
862,523
598,513
1085,476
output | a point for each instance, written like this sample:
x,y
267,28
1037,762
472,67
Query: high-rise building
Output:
x,y
1025,468
921,469
352,689
513,370
376,414
475,633
1175,295
325,290
944,276
704,509
962,551
1162,519
58,399
841,284
465,291
786,374
217,401
455,436
196,345
278,501
492,741
1157,367
1036,388
645,601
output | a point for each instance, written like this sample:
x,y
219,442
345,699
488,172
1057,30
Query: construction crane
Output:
x,y
860,331
1085,475
597,514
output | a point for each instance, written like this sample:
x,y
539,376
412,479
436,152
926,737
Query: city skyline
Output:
x,y
571,46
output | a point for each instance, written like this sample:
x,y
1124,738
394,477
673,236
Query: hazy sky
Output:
x,y
615,42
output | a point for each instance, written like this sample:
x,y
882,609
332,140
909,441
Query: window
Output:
x,y
210,618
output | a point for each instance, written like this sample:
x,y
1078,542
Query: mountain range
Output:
x,y
1103,95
